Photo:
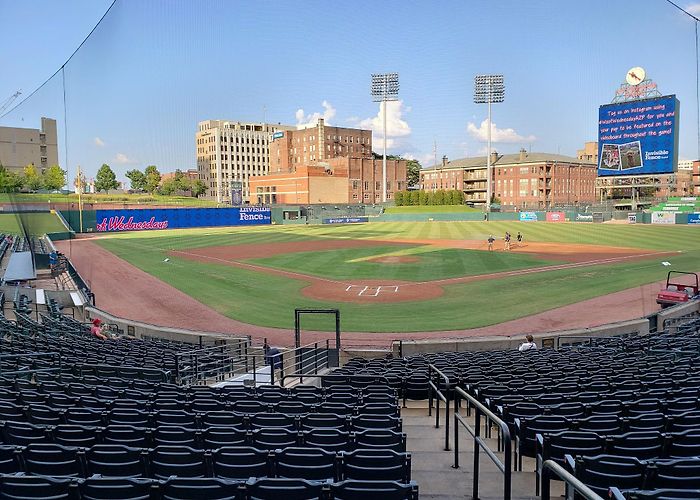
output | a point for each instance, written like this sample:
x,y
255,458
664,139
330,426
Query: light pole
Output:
x,y
488,89
385,87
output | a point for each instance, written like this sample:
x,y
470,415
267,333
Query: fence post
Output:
x,y
328,358
456,434
316,358
477,434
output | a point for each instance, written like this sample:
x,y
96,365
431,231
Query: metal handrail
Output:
x,y
550,467
439,396
506,466
52,355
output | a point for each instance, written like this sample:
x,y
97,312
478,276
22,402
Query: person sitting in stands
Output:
x,y
273,356
96,329
528,344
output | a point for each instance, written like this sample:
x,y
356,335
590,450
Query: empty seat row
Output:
x,y
385,407
604,471
45,415
43,487
227,462
210,437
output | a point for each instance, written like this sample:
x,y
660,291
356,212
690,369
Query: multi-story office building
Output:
x,y
229,153
589,153
319,142
523,180
20,147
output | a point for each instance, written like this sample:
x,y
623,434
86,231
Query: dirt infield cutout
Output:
x,y
372,291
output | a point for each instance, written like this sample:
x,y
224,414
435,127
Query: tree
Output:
x,y
414,198
398,198
10,182
198,188
413,172
168,187
105,179
438,197
152,178
138,180
54,178
32,178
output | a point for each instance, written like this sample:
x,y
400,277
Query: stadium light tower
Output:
x,y
385,87
488,89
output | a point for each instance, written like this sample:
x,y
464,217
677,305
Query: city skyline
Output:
x,y
151,71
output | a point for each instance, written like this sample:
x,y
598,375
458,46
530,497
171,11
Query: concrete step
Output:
x,y
432,466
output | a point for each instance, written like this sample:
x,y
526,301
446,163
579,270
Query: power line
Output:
x,y
683,10
63,65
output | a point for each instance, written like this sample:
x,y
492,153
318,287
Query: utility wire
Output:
x,y
63,65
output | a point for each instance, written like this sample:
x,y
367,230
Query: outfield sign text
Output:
x,y
172,218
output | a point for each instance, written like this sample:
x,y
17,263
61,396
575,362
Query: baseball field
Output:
x,y
403,277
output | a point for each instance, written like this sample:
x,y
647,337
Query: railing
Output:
x,y
550,468
304,361
680,322
434,388
506,466
374,378
54,358
216,362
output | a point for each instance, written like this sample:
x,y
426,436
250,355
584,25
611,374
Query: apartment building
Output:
x,y
523,180
231,152
343,180
316,143
20,147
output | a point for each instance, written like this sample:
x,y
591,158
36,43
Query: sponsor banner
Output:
x,y
663,217
598,217
236,193
584,217
528,216
693,218
277,135
345,220
172,218
556,217
632,218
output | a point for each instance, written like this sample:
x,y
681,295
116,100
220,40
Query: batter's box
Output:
x,y
371,290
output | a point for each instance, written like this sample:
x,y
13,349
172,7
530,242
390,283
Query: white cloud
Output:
x,y
396,126
99,142
498,135
304,120
694,9
123,159
425,159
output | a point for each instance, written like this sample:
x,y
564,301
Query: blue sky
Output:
x,y
153,69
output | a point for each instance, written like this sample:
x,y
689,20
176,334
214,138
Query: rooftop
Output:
x,y
510,159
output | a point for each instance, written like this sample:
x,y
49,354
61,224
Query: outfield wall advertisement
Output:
x,y
174,218
693,218
638,137
663,217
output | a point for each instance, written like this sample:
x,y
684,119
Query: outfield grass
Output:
x,y
269,300
34,223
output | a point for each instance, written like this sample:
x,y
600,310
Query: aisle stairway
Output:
x,y
432,466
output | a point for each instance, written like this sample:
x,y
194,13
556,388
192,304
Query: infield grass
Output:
x,y
269,300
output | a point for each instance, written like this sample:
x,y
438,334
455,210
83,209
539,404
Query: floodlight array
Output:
x,y
489,88
385,87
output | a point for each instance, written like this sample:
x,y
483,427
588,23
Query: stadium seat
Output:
x,y
116,460
23,434
240,462
166,461
215,437
323,420
75,435
376,465
104,488
175,435
37,487
52,460
603,471
273,438
385,490
289,489
10,459
178,488
326,438
380,439
222,418
128,435
306,463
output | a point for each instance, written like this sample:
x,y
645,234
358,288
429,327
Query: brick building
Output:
x,y
20,147
339,180
523,180
289,149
